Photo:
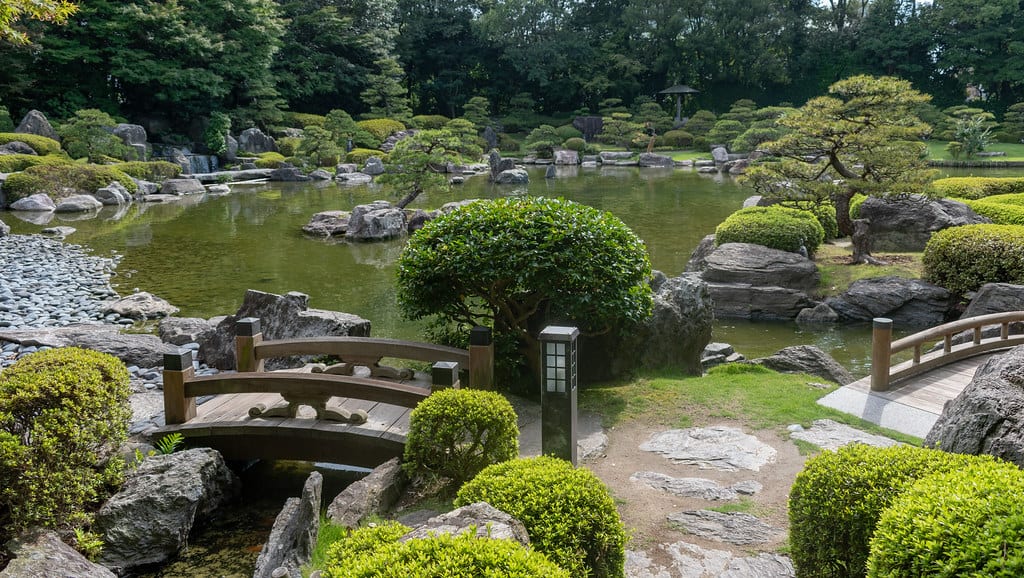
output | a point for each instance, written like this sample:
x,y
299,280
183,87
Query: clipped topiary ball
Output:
x,y
456,433
837,499
964,522
962,259
775,227
567,511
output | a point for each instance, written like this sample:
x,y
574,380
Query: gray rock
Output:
x,y
5,229
149,519
738,167
113,194
567,157
733,527
281,317
723,349
719,447
142,305
36,202
760,266
551,172
320,175
17,147
699,258
906,223
376,222
327,224
146,188
513,177
490,137
690,561
484,520
293,537
590,126
353,178
908,302
720,154
373,495
139,349
615,155
182,330
373,167
806,359
752,201
745,301
181,187
58,232
78,204
707,170
988,415
134,137
696,487
346,168
829,435
34,122
819,314
221,189
288,174
417,220
995,298
655,160
42,554
253,141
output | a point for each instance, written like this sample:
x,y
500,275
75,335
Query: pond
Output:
x,y
202,253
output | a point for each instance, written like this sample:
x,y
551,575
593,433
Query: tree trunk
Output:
x,y
862,243
410,197
841,201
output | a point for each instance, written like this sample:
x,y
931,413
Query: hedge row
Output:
x,y
40,144
774,226
150,170
62,180
1000,213
978,187
962,259
381,128
16,163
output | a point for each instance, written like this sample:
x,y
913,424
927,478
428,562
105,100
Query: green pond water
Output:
x,y
202,253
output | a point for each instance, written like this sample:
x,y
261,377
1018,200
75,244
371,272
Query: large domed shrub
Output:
x,y
775,227
962,259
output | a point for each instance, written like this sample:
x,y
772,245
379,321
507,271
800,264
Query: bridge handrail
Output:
x,y
883,373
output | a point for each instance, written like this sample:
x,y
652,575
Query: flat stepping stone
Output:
x,y
690,561
696,487
830,435
720,448
733,527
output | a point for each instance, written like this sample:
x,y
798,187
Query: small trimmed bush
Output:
x,y
359,542
677,139
575,144
978,187
288,145
775,227
567,511
381,128
359,156
963,522
456,433
270,160
508,143
62,413
302,119
837,499
1000,213
40,144
568,131
855,204
62,180
962,259
15,163
429,121
150,170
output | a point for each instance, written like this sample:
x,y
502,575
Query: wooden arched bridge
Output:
x,y
355,411
908,396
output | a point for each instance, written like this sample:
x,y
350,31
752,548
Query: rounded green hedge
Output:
x,y
15,163
774,226
64,179
359,542
575,144
270,160
429,121
63,412
977,187
456,433
837,499
567,511
359,156
41,144
381,128
150,170
1000,213
962,259
963,522
677,138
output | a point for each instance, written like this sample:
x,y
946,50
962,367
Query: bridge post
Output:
x,y
481,358
247,337
881,353
444,375
178,370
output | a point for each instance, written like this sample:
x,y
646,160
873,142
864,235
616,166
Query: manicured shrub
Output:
x,y
6,123
15,163
508,143
150,170
62,180
855,202
775,227
700,123
567,511
1000,213
837,499
826,215
40,144
359,542
725,131
381,128
677,139
359,156
288,145
1016,199
962,259
429,121
568,131
978,187
62,413
302,119
270,160
575,144
455,433
754,137
962,522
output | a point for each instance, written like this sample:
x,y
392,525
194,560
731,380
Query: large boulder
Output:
x,y
34,122
995,298
141,305
906,223
17,148
806,359
5,229
149,519
655,160
179,187
139,349
988,415
752,281
293,537
498,165
376,221
78,204
699,257
371,496
288,173
373,167
134,137
328,224
590,126
42,554
908,302
481,518
512,177
281,317
567,157
184,330
615,156
36,202
674,336
114,194
252,140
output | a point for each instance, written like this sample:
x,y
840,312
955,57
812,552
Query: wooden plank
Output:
x,y
308,384
361,347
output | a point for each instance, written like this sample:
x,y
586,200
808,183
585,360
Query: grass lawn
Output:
x,y
1014,152
837,274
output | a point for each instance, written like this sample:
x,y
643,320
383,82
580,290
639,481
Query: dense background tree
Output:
x,y
11,11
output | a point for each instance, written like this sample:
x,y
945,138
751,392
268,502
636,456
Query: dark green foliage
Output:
x,y
303,119
63,180
677,139
543,140
701,123
977,187
965,521
40,144
567,511
429,121
319,146
62,413
753,137
508,143
962,259
385,91
1012,129
477,110
15,163
423,156
575,144
725,132
344,129
150,170
6,124
653,113
568,131
837,499
288,145
776,227
463,556
87,135
215,135
455,433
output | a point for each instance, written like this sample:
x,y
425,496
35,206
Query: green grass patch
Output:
x,y
329,534
687,155
1014,152
837,274
743,506
761,398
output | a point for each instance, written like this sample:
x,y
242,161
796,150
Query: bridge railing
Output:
x,y
883,348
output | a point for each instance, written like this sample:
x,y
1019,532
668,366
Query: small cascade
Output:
x,y
202,163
